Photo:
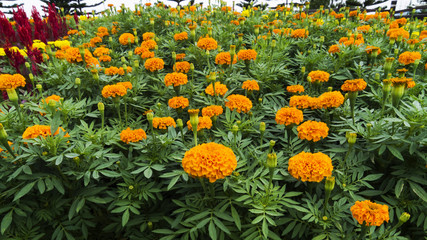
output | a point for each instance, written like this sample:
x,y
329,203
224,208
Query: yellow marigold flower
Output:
x,y
250,85
175,79
125,38
311,167
301,102
295,88
8,81
39,45
331,99
289,115
213,110
129,135
248,54
369,213
53,97
113,91
178,102
299,33
409,57
163,122
318,76
154,64
204,123
312,130
150,44
183,67
239,103
224,58
40,130
148,36
220,89
209,160
180,36
354,85
127,85
207,43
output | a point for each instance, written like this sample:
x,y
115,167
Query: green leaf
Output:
x,y
265,228
58,185
6,221
148,173
173,182
41,186
419,191
212,231
109,173
395,152
203,223
80,205
221,225
125,217
197,216
319,237
258,219
24,191
236,218
373,177
399,187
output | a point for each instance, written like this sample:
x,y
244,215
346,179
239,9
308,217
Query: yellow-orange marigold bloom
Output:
x,y
295,88
409,57
301,102
147,54
312,130
330,99
148,36
213,110
334,49
239,103
113,91
318,76
127,85
224,58
175,79
394,33
154,64
72,55
141,50
311,167
289,115
178,102
207,43
354,85
126,38
129,135
364,28
102,31
209,160
204,123
105,58
53,97
299,33
247,54
180,36
150,44
400,81
369,213
100,51
163,122
8,81
180,56
410,84
370,49
40,130
220,89
114,70
183,67
250,85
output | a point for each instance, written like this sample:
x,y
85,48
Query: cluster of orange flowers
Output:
x,y
312,130
409,57
126,38
318,76
239,103
154,64
311,167
250,85
224,58
183,67
247,54
353,40
175,79
325,100
209,160
211,111
178,102
129,135
399,81
334,49
205,122
148,36
163,122
295,88
143,52
299,33
8,81
220,89
180,36
369,213
396,33
289,115
102,31
117,71
40,130
354,85
207,43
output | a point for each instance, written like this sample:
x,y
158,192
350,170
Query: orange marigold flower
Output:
x,y
213,110
334,49
175,79
331,99
127,85
318,76
250,85
248,54
204,123
178,102
394,33
147,54
113,91
299,33
163,122
126,38
114,70
180,36
409,57
40,130
289,115
207,43
239,103
220,89
311,167
148,36
312,130
95,40
370,49
129,135
410,84
295,88
180,56
369,213
209,160
141,50
72,55
301,102
150,44
354,85
364,28
154,64
400,81
53,97
102,31
8,81
224,58
183,67
100,51
105,58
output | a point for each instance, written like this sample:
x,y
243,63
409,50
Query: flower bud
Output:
x,y
173,55
392,41
3,134
131,187
329,89
52,104
150,225
272,160
130,54
136,63
150,117
13,96
31,76
303,70
262,127
377,77
404,217
194,118
78,81
235,129
233,49
210,31
259,100
329,183
273,43
272,143
179,123
152,21
192,67
416,62
101,106
397,93
351,138
123,59
39,87
27,64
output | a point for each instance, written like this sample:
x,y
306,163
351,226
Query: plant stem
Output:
x,y
363,232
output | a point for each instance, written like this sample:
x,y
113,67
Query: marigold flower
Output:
x,y
213,110
140,50
312,130
289,115
40,130
400,81
114,70
8,81
250,85
150,44
394,33
127,85
163,122
180,56
209,160
220,89
126,38
113,91
207,43
370,49
331,99
301,102
72,55
318,76
204,123
129,135
369,213
295,88
175,79
248,54
105,58
180,36
364,28
148,36
154,64
100,51
409,57
311,167
334,49
102,31
239,103
299,33
183,67
178,102
224,58
354,85
147,54
53,97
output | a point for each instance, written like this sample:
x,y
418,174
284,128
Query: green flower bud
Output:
x,y
272,143
150,117
404,217
101,106
235,129
78,81
13,96
271,160
329,183
179,123
262,127
3,134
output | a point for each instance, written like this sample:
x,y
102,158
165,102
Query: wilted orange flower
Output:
x,y
239,103
248,54
295,88
129,135
178,102
301,102
409,57
150,44
311,167
213,110
154,64
180,36
127,85
318,76
40,130
250,85
299,33
354,85
175,79
207,43
8,81
183,67
334,49
369,213
113,91
289,115
163,122
209,160
330,99
126,38
148,36
220,89
224,58
204,123
312,130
